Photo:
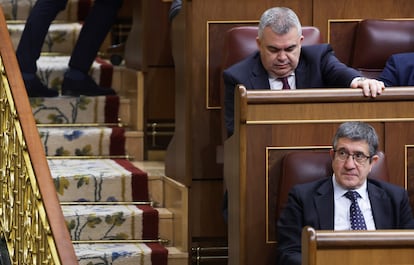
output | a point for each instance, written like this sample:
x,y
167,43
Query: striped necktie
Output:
x,y
285,82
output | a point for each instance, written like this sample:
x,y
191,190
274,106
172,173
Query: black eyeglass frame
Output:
x,y
359,160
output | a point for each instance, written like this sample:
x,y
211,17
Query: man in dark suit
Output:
x,y
323,204
281,55
399,70
76,79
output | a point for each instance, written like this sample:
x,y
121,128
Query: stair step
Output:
x,y
111,222
99,196
83,141
177,257
51,69
76,110
95,179
19,10
121,253
61,37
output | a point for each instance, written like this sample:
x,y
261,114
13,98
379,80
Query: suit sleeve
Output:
x,y
289,231
389,73
407,221
229,87
336,73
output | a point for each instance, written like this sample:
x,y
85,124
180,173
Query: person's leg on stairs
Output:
x,y
31,42
94,31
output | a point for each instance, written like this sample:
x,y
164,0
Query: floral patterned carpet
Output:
x,y
105,200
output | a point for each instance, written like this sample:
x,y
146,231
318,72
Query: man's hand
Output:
x,y
370,87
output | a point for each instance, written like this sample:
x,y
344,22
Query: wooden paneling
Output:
x,y
149,42
197,34
207,200
341,35
192,153
148,51
264,131
191,55
159,84
352,247
323,10
216,32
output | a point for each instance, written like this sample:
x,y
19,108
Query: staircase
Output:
x,y
118,208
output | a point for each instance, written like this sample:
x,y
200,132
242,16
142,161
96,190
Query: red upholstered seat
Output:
x,y
376,40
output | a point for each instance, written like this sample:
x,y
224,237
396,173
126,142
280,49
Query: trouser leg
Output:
x,y
34,33
94,30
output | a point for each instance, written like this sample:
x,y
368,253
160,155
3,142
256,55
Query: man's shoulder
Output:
x,y
318,48
314,184
389,188
403,55
247,62
405,58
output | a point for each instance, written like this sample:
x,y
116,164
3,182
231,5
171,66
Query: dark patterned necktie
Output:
x,y
356,216
285,82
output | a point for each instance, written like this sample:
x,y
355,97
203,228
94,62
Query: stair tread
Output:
x,y
71,209
153,168
83,141
51,69
174,252
111,222
129,253
175,255
76,110
94,179
62,34
20,11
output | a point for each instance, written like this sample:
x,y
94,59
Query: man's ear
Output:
x,y
258,42
332,153
374,159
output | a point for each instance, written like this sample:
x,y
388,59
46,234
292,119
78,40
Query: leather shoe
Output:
x,y
35,88
85,87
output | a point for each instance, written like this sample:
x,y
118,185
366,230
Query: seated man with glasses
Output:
x,y
346,201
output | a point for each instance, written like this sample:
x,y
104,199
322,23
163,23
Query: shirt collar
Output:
x,y
277,78
340,191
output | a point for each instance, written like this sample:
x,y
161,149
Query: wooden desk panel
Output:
x,y
357,247
269,124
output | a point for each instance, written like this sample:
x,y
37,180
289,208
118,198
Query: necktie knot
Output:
x,y
352,195
285,82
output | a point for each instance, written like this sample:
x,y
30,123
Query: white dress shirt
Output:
x,y
276,84
342,204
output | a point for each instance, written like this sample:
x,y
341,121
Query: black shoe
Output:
x,y
35,88
86,87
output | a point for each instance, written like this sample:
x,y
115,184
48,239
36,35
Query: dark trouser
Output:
x,y
95,28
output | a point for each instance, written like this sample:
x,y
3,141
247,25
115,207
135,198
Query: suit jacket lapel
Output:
x,y
259,77
325,206
380,206
302,74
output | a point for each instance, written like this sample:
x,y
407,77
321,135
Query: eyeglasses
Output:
x,y
359,157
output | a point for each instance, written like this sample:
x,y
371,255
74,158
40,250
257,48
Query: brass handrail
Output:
x,y
31,220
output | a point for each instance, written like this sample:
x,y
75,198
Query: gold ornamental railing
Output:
x,y
31,220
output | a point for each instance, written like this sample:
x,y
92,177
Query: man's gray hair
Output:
x,y
280,20
357,131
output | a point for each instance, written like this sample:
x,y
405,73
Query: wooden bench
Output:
x,y
269,124
356,247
